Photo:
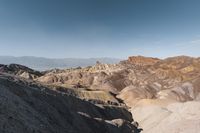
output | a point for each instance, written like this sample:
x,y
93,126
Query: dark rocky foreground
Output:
x,y
28,108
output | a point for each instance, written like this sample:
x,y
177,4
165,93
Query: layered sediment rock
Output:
x,y
141,60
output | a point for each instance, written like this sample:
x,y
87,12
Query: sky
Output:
x,y
99,28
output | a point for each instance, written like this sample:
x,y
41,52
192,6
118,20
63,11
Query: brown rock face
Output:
x,y
141,60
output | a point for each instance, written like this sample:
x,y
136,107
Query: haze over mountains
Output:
x,y
40,63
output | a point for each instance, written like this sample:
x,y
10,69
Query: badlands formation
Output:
x,y
162,96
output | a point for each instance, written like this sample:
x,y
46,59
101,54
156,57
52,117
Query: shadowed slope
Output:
x,y
29,108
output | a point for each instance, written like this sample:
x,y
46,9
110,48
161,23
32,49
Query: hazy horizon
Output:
x,y
95,57
100,28
61,57
41,63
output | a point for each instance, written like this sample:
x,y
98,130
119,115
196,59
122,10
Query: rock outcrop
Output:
x,y
141,60
20,70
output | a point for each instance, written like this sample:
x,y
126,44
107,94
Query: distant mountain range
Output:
x,y
40,63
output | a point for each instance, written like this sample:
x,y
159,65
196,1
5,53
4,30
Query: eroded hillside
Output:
x,y
29,107
154,89
162,95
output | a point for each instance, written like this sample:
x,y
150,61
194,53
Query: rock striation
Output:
x,y
141,60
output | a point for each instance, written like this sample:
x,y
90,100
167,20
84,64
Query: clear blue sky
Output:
x,y
99,28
